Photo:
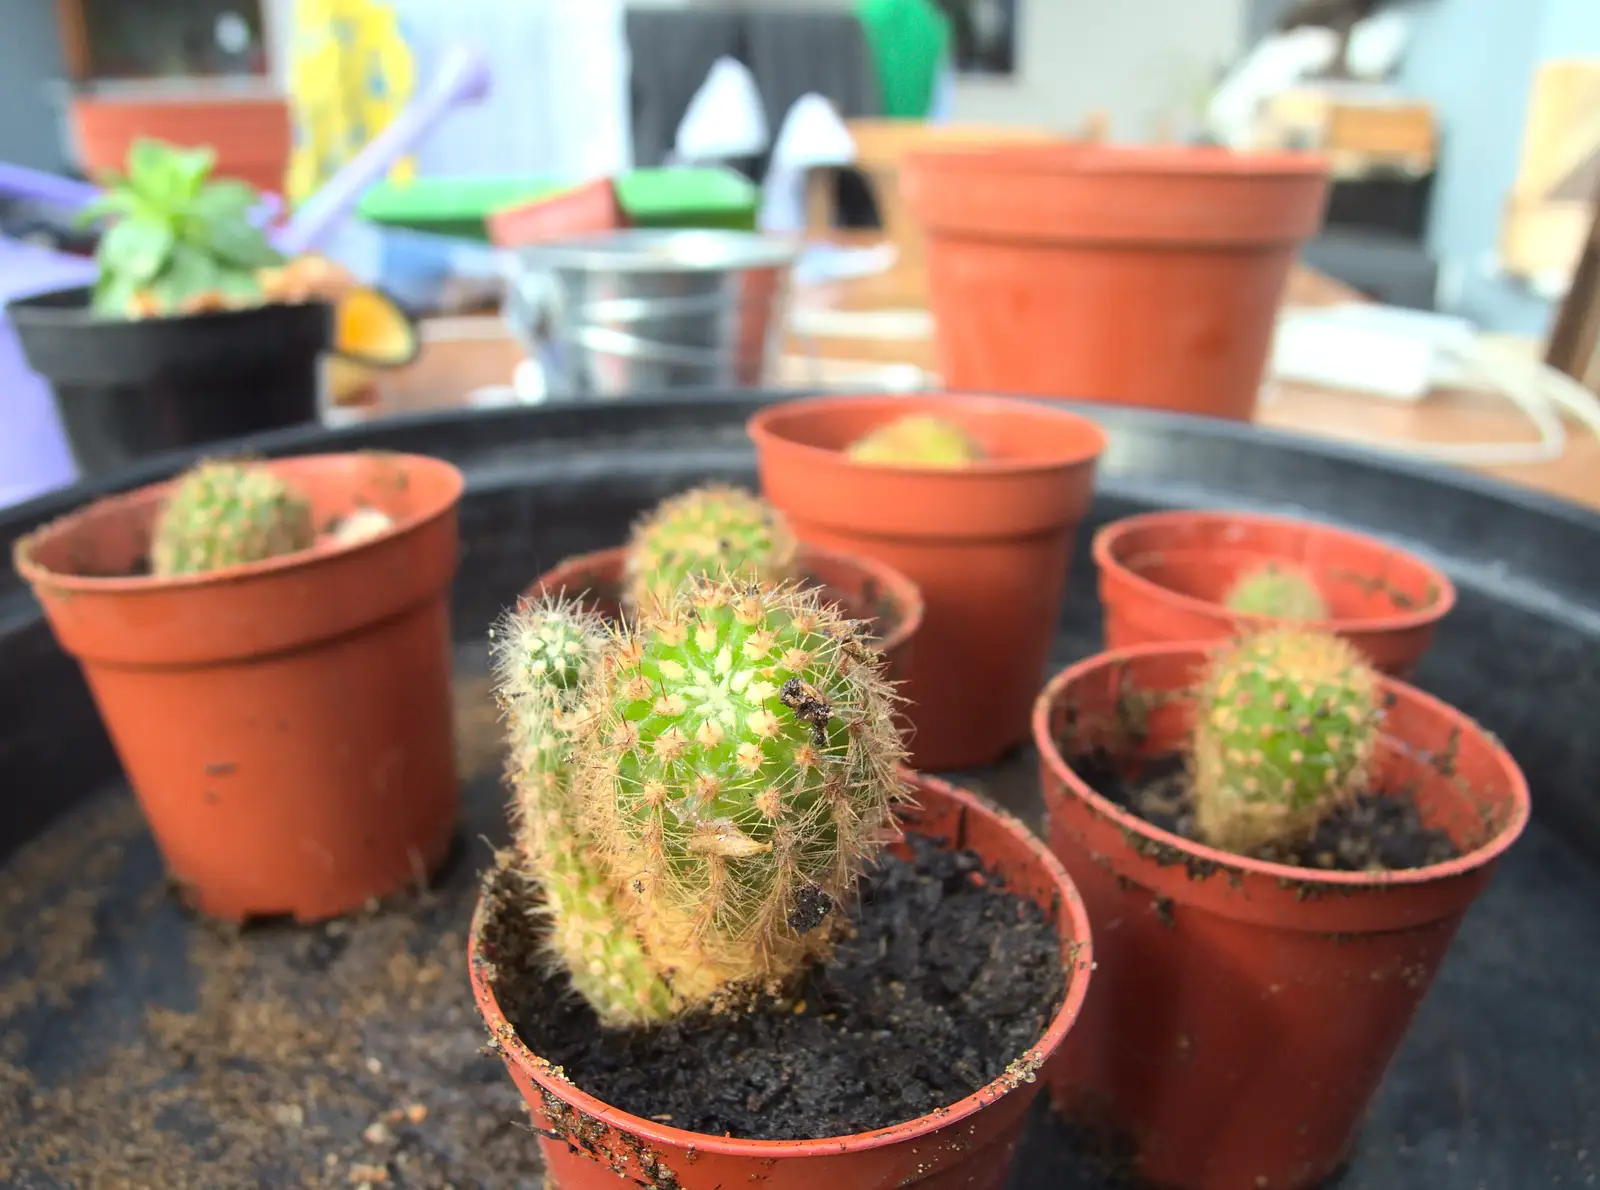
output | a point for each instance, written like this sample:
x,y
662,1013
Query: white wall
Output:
x,y
1136,60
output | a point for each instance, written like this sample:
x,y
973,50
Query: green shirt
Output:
x,y
908,40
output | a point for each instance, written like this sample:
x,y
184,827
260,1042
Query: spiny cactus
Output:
x,y
707,531
544,652
917,440
1278,590
1285,730
733,765
227,514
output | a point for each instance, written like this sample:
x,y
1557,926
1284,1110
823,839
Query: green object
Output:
x,y
707,531
228,514
917,440
730,767
715,198
178,239
909,41
1285,730
1283,592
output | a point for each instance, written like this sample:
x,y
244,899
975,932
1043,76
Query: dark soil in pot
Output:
x,y
942,983
1379,831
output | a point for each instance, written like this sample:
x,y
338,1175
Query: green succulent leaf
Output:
x,y
137,247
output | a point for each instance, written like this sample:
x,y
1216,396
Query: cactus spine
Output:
x,y
1283,592
917,440
222,514
709,531
733,765
1285,730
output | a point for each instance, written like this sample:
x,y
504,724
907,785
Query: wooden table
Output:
x,y
461,355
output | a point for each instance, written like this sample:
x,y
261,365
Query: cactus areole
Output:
x,y
699,805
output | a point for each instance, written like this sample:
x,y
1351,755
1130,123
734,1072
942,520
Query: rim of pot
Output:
x,y
38,309
1490,849
1079,965
907,595
1107,539
1065,156
766,427
37,575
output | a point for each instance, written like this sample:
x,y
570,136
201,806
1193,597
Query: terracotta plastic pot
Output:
x,y
286,725
1137,275
250,133
589,1145
863,589
1163,576
988,545
1244,1012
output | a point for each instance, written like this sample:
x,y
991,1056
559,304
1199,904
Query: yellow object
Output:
x,y
350,74
917,441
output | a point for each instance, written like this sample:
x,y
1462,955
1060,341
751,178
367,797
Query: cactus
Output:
x,y
730,767
709,531
917,440
223,514
544,653
1285,731
1283,592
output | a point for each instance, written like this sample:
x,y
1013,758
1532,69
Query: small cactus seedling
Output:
x,y
728,766
1285,731
223,514
544,653
709,531
917,440
1276,590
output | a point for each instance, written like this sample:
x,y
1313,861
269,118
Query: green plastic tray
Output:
x,y
651,198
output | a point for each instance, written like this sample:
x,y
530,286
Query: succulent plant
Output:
x,y
221,514
1285,731
1278,590
708,531
918,440
730,764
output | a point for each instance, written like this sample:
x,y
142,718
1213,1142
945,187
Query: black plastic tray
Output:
x,y
1497,1086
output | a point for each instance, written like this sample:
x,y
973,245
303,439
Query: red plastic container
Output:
x,y
1146,275
1163,576
988,545
1243,1013
589,1145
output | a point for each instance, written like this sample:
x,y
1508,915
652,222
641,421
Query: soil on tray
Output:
x,y
942,982
1379,831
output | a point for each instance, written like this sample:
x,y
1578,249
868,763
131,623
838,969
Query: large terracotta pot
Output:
x,y
1243,1013
250,133
1143,276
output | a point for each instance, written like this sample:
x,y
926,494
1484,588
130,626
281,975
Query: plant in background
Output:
x,y
917,440
1277,590
222,514
698,792
708,531
1285,731
179,242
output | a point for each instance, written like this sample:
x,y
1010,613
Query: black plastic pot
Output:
x,y
126,389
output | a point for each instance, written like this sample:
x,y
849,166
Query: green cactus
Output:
x,y
222,514
734,763
708,531
917,440
1285,730
543,653
1278,590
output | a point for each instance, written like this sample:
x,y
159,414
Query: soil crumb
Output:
x,y
1380,831
944,981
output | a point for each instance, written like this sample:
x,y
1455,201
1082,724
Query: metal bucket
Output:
x,y
651,310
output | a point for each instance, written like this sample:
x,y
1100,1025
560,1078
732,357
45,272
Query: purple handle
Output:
x,y
33,185
463,77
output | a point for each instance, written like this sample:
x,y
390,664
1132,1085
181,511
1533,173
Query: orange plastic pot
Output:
x,y
590,1145
1164,575
988,545
864,590
1143,276
285,725
250,133
1243,1013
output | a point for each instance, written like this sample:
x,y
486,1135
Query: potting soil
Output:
x,y
1380,830
943,982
